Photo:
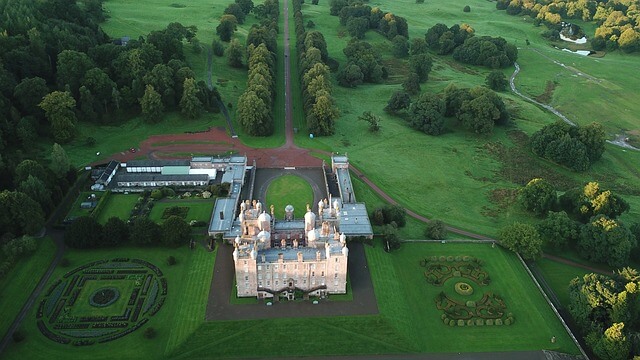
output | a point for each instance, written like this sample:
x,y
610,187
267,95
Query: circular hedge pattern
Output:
x,y
104,297
463,288
101,301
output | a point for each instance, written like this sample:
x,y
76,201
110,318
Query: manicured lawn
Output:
x,y
82,307
118,205
404,296
289,190
18,284
558,276
199,209
181,315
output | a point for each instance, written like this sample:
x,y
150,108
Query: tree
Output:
x,y
26,131
60,163
522,238
418,46
395,214
436,229
613,345
102,88
411,85
372,119
58,107
421,64
400,100
144,231
591,200
496,81
28,168
324,113
20,215
227,26
391,238
175,232
594,138
84,233
629,40
466,8
71,67
245,5
235,54
482,111
606,240
350,76
253,114
357,27
218,47
557,229
151,103
190,104
36,189
29,93
115,232
538,196
400,46
427,114
235,10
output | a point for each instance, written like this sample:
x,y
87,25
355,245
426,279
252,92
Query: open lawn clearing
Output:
x,y
18,284
118,205
199,209
82,307
413,300
289,190
182,312
558,276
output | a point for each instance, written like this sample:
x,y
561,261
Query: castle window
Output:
x,y
313,273
259,267
260,276
284,266
260,284
322,274
336,259
245,262
276,282
275,267
246,278
335,276
337,267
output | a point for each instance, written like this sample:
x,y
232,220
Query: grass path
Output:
x,y
189,313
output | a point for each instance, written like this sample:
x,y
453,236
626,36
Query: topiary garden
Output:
x,y
465,298
101,301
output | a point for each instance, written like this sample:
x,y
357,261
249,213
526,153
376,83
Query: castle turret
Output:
x,y
309,221
264,222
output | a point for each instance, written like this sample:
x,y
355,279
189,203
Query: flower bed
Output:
x,y
60,320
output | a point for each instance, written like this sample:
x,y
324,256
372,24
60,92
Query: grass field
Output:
x,y
289,190
199,209
18,284
118,205
182,313
558,276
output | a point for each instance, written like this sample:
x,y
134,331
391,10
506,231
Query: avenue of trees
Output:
x,y
576,147
319,105
617,20
255,105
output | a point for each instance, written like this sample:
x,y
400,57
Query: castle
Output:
x,y
293,257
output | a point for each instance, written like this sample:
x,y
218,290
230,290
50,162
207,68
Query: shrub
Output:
x,y
150,333
489,322
479,322
460,322
452,323
467,8
65,262
157,194
436,229
171,260
470,322
498,321
311,24
218,48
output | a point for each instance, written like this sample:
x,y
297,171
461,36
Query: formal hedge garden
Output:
x,y
466,298
101,301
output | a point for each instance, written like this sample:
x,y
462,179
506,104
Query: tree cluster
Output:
x,y
86,233
617,20
389,214
233,14
576,147
587,220
363,65
13,251
478,109
443,40
319,104
358,18
607,311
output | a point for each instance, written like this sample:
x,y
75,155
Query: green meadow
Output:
x,y
289,190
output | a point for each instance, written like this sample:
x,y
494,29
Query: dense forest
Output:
x,y
618,20
57,69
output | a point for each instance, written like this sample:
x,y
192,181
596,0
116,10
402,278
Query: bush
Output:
x,y
311,24
18,336
150,333
171,260
218,48
65,262
157,194
436,230
467,8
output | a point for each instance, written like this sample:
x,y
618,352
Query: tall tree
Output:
x,y
175,231
29,94
20,215
152,106
235,10
115,232
245,5
71,67
227,26
557,229
84,233
606,240
60,163
235,54
427,114
421,64
58,107
400,100
523,239
190,104
538,196
37,191
144,231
